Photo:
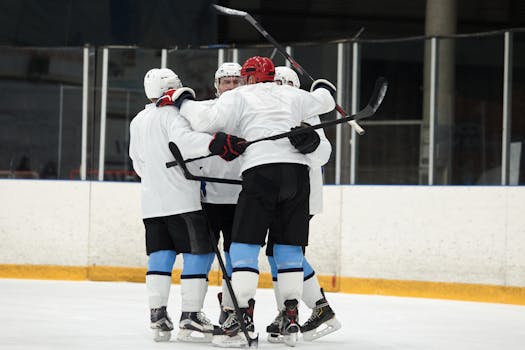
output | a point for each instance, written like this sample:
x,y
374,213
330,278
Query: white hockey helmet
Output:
x,y
286,76
227,69
158,80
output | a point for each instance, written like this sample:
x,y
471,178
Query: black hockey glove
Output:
x,y
227,146
306,142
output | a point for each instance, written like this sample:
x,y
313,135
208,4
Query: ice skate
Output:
x,y
290,323
230,334
321,322
161,323
224,314
194,327
274,329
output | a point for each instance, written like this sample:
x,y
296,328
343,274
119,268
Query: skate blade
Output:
x,y
192,336
290,339
275,338
237,341
162,336
325,328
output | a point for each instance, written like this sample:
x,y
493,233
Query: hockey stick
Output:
x,y
232,12
188,175
252,342
376,98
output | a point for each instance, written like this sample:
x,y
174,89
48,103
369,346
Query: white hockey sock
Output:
x,y
227,301
311,291
204,292
278,299
290,285
158,290
244,285
193,291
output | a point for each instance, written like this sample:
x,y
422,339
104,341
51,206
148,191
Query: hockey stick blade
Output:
x,y
180,161
229,12
188,175
378,94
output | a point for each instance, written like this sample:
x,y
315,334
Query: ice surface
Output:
x,y
114,315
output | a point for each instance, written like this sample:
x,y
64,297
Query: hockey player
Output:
x,y
219,200
171,211
313,295
275,187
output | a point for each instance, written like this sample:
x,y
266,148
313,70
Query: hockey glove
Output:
x,y
175,97
305,142
323,84
227,146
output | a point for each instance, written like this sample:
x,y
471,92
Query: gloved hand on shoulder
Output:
x,y
175,97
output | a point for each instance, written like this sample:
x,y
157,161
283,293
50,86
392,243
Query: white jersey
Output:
x,y
317,159
260,110
165,191
218,193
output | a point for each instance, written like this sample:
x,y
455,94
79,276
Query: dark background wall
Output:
x,y
146,23
169,23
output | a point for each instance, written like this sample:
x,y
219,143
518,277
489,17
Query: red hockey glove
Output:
x,y
175,97
306,142
227,146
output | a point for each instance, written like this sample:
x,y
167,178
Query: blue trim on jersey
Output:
x,y
288,256
246,269
162,260
160,273
294,269
273,267
189,277
197,264
244,255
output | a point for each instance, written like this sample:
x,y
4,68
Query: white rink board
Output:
x,y
44,222
424,233
440,233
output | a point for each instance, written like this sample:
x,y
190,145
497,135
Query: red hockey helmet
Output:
x,y
261,68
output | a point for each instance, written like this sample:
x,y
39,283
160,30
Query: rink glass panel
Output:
x,y
517,135
41,112
196,69
389,151
125,98
469,126
320,61
41,102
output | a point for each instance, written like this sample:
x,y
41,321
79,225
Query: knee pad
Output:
x,y
196,264
288,257
244,256
161,261
273,267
